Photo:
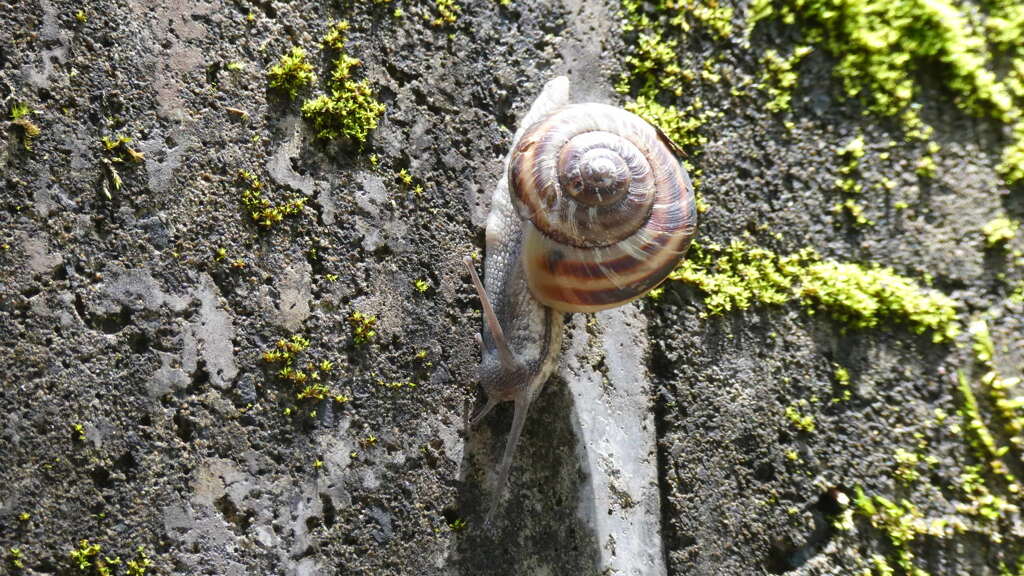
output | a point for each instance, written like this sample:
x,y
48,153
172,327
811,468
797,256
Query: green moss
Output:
x,y
88,559
655,76
682,126
396,385
654,60
1009,406
1012,166
852,209
842,380
363,327
292,72
865,296
140,564
263,211
902,524
799,420
349,108
15,558
738,276
999,231
925,167
336,36
300,368
883,47
447,12
27,130
118,149
780,76
906,466
980,437
680,16
851,153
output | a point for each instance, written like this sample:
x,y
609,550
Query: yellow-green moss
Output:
x,y
263,211
309,376
799,420
1009,406
291,73
28,130
447,12
119,149
883,47
999,231
738,276
854,211
15,558
980,437
88,560
1012,166
349,108
902,523
655,77
363,327
682,126
780,76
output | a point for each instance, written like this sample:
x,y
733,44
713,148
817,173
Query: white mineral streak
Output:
x,y
614,420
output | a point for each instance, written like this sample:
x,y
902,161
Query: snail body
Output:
x,y
595,211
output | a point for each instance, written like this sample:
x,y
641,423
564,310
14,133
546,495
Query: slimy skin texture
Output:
x,y
533,330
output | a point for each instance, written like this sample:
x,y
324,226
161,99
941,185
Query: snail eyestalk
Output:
x,y
491,319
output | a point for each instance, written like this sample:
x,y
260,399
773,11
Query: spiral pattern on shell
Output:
x,y
610,210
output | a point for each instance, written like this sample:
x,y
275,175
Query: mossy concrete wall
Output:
x,y
138,300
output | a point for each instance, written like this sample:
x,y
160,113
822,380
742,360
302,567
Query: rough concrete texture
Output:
x,y
136,409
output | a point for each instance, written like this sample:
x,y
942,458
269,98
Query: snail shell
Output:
x,y
595,211
608,209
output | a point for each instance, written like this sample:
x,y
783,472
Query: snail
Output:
x,y
594,212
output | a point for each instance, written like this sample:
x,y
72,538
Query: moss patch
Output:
x,y
738,276
883,47
20,122
780,76
999,231
655,77
292,72
349,108
262,210
303,369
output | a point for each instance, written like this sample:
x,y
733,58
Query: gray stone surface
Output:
x,y
660,447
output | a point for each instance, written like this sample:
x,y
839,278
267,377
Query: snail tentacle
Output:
x,y
595,211
491,319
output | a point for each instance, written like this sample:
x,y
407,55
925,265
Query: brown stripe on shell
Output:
x,y
533,167
567,296
578,280
571,278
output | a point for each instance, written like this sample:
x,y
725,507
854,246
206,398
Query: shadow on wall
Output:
x,y
537,528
